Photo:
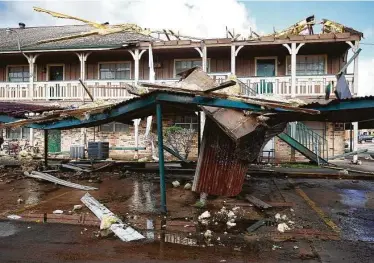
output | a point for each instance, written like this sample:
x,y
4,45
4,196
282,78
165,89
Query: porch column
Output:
x,y
234,53
136,55
152,74
136,133
31,59
355,47
83,58
203,54
293,50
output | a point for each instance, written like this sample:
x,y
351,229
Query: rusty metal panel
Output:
x,y
219,171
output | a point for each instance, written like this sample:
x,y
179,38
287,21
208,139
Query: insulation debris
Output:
x,y
107,218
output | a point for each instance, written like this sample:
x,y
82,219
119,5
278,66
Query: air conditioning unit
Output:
x,y
77,152
98,150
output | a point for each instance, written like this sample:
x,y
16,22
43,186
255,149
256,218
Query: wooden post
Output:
x,y
198,132
46,148
161,163
293,50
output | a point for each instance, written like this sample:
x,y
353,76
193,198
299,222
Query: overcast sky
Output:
x,y
206,18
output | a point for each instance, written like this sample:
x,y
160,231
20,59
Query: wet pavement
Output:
x,y
349,204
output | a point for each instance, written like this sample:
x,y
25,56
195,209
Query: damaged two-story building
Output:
x,y
43,65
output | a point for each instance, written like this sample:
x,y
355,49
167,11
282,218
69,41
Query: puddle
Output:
x,y
7,229
353,197
143,200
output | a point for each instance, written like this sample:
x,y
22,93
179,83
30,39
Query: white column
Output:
x,y
234,53
355,47
293,50
83,58
136,55
31,59
136,133
152,74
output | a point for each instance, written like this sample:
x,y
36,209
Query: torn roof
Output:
x,y
29,36
15,109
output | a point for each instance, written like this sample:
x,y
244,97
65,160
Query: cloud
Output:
x,y
204,18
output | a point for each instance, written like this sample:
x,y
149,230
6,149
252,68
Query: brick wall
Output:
x,y
335,140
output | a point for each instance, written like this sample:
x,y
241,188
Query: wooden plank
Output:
x,y
221,86
256,225
257,202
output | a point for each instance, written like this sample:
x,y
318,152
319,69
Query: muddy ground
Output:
x,y
347,205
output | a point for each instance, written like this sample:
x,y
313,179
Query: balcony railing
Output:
x,y
114,89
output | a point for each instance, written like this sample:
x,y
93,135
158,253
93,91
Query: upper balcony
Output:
x,y
260,70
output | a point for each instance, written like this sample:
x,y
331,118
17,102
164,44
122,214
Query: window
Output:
x,y
308,65
18,73
114,127
182,65
115,70
187,122
17,133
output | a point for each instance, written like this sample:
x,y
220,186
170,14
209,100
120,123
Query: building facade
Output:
x,y
296,66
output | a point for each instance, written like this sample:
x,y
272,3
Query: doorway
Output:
x,y
265,67
55,72
54,141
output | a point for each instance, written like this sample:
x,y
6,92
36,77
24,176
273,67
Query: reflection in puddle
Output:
x,y
142,200
353,197
7,229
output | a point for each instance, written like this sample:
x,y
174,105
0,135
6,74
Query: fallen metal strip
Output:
x,y
76,168
257,202
125,233
51,178
348,154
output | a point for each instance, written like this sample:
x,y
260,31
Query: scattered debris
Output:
x,y
58,212
275,247
283,227
77,207
75,168
343,172
176,184
277,216
124,232
51,178
14,217
20,201
257,202
256,225
187,186
295,247
208,234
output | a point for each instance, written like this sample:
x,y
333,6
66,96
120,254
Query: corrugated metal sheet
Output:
x,y
16,109
219,170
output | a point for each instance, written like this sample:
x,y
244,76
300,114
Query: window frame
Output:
x,y
8,131
288,62
113,129
20,65
113,62
191,124
189,59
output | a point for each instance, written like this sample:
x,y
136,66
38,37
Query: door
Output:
x,y
56,73
265,68
54,141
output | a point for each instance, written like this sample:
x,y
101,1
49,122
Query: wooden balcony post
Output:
x,y
31,59
234,54
293,50
152,74
83,58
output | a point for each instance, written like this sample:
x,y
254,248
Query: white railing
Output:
x,y
14,91
305,85
106,89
